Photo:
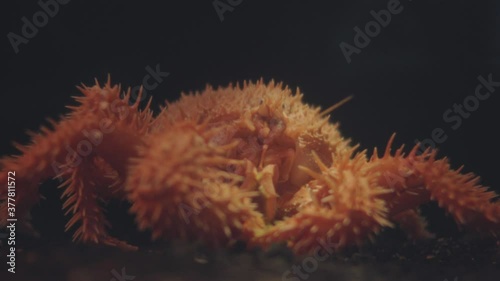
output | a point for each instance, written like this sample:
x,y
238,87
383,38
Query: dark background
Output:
x,y
424,61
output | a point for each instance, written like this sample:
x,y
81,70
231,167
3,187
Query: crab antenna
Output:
x,y
335,106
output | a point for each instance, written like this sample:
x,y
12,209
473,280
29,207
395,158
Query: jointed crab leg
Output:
x,y
83,192
180,189
104,125
40,161
345,209
417,179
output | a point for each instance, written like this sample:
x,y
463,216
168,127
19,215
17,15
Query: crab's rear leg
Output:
x,y
417,179
48,157
38,162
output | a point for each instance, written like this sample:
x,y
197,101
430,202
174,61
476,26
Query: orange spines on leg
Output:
x,y
83,196
38,162
113,107
461,195
418,178
180,187
345,208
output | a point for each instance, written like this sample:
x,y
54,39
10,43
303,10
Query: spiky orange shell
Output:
x,y
261,114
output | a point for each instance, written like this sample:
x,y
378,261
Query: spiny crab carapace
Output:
x,y
251,163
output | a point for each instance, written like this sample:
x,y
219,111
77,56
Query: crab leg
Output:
x,y
39,162
104,125
416,179
180,188
345,209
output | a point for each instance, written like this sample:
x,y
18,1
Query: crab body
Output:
x,y
251,163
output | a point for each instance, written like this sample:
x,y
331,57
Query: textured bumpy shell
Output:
x,y
306,128
237,103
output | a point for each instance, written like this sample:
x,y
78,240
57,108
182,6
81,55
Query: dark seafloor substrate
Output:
x,y
462,258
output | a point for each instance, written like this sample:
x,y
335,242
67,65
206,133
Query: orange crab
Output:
x,y
251,163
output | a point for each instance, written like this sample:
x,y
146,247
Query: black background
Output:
x,y
424,61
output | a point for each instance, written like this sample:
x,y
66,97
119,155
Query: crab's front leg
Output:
x,y
343,208
181,186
